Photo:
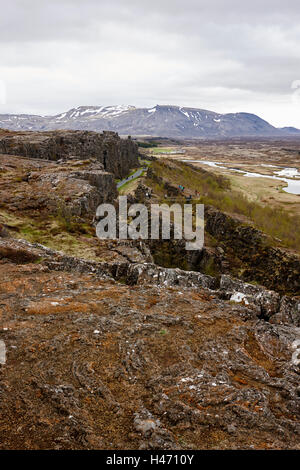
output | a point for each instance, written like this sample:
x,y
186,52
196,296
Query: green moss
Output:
x,y
163,332
53,233
165,254
210,268
38,260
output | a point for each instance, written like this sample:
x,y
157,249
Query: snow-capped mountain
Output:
x,y
162,121
93,112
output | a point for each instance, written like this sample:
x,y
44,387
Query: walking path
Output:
x,y
131,177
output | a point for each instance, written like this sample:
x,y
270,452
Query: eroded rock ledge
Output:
x,y
162,363
116,155
74,187
266,304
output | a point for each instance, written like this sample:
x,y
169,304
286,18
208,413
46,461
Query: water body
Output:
x,y
293,185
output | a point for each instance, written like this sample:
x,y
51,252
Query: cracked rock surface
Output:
x,y
94,364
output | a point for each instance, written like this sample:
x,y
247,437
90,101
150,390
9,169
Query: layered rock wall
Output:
x,y
116,155
273,267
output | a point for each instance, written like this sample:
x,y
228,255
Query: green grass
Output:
x,y
125,187
178,173
144,161
158,150
146,144
163,332
53,232
216,191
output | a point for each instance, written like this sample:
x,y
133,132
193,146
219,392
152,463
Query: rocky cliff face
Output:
x,y
239,249
116,155
274,267
34,187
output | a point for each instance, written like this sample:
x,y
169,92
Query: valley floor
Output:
x,y
137,345
263,157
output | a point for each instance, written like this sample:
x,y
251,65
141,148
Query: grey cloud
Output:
x,y
63,53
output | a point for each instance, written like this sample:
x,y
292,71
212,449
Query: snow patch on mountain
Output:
x,y
160,120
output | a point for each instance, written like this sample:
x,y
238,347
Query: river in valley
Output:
x,y
283,174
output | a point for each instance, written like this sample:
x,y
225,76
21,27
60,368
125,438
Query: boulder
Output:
x,y
268,301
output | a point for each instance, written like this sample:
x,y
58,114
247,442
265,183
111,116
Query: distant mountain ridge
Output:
x,y
159,121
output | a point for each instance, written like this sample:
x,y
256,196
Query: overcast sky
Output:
x,y
222,55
